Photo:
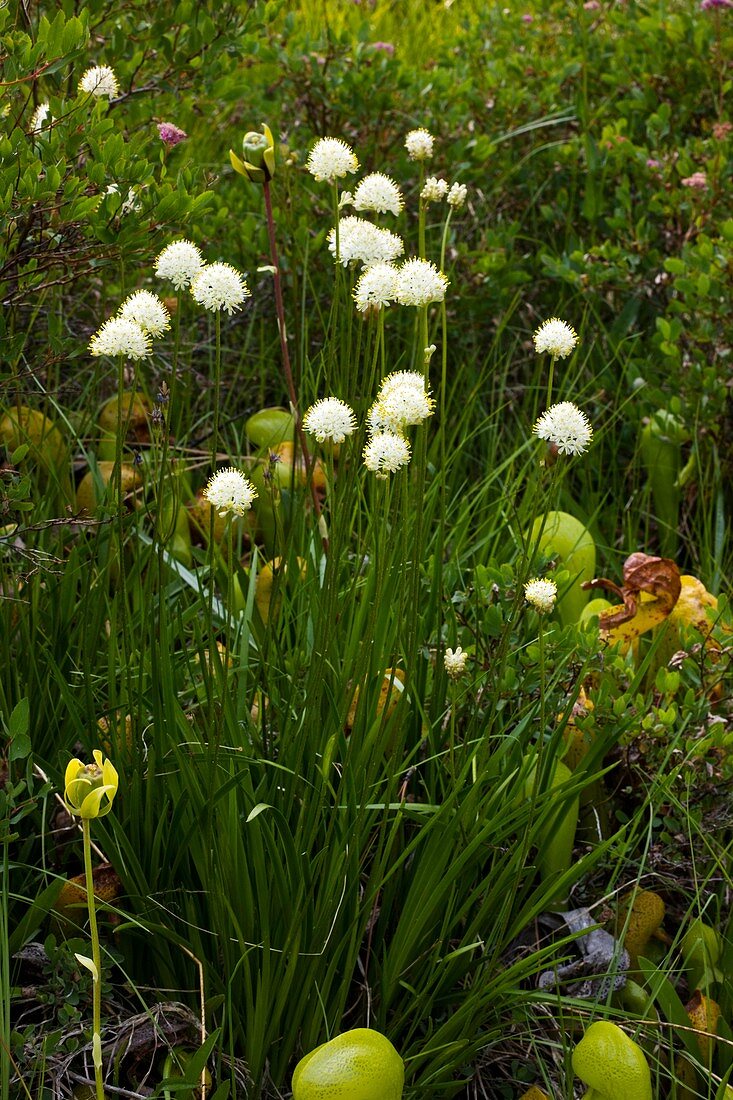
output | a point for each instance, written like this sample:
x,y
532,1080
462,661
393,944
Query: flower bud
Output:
x,y
89,789
258,152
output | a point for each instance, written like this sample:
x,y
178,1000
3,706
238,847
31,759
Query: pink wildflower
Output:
x,y
591,5
170,135
652,162
385,47
707,4
527,18
698,181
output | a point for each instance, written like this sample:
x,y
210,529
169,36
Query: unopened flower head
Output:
x,y
360,241
385,453
89,789
179,262
457,195
434,189
419,144
541,595
39,116
149,312
556,337
378,192
331,159
419,282
120,336
566,427
100,81
219,286
229,492
330,419
376,287
171,135
454,662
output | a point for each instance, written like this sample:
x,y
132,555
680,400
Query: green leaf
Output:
x,y
19,719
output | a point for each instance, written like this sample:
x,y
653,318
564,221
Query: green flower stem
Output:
x,y
97,960
550,377
421,214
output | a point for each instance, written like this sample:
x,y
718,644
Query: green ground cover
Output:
x,y
362,776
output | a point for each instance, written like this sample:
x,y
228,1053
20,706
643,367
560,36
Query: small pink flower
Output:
x,y
527,18
651,162
385,47
591,5
707,4
698,181
170,135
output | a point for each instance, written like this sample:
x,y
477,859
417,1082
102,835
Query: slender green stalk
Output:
x,y
97,960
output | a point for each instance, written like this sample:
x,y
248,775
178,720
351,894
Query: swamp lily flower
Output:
x,y
331,159
541,595
454,662
457,195
434,189
375,287
385,453
419,282
89,789
330,419
565,426
556,337
361,241
120,336
419,144
379,193
230,492
180,263
147,311
219,286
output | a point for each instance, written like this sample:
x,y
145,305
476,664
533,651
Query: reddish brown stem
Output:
x,y
280,309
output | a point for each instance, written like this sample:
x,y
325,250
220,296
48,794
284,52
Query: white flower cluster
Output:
x,y
219,286
362,242
385,453
457,195
179,263
555,337
403,401
147,311
376,287
331,159
565,426
419,283
379,193
101,82
39,116
541,595
454,662
230,492
120,336
330,419
419,144
434,189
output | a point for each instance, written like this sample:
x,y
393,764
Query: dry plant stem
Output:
x,y
97,959
280,309
203,1012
